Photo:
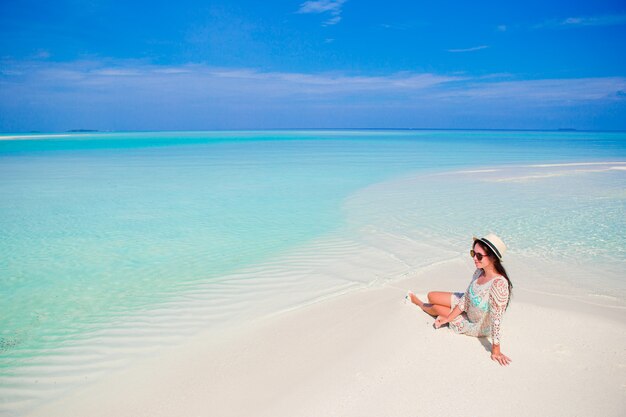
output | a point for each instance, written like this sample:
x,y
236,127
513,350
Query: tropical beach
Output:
x,y
315,324
312,208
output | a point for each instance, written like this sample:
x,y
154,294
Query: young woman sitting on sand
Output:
x,y
478,312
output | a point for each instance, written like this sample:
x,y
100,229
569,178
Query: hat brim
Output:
x,y
493,247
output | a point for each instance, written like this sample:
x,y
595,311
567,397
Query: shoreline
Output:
x,y
367,353
9,136
36,136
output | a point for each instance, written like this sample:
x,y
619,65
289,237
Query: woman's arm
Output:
x,y
498,298
443,320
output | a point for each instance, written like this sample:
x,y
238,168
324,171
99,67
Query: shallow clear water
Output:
x,y
570,219
98,228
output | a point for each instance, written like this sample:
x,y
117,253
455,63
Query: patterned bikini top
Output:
x,y
479,301
480,296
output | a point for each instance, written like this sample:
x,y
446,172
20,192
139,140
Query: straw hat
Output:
x,y
494,243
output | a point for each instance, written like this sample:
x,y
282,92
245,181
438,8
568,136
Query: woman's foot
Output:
x,y
413,298
440,322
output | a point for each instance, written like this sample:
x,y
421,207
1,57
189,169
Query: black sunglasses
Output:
x,y
478,256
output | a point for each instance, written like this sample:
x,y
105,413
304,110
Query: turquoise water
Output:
x,y
99,227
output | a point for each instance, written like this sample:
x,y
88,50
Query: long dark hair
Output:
x,y
499,267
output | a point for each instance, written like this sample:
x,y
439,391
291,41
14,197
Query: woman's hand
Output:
x,y
501,358
440,321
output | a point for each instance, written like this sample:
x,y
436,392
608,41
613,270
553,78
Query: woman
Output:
x,y
478,312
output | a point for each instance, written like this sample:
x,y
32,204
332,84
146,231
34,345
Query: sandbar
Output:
x,y
369,353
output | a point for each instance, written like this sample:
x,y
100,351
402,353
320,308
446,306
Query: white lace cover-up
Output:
x,y
482,308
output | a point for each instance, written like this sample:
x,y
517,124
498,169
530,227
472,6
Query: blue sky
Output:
x,y
191,65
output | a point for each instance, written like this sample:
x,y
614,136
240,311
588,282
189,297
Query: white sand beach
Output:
x,y
368,353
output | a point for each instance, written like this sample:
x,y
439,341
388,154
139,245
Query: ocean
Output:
x,y
117,244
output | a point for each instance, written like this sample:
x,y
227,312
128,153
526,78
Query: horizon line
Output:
x,y
94,131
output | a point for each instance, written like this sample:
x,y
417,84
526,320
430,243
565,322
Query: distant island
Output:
x,y
81,130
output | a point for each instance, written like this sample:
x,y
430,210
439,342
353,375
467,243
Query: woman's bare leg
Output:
x,y
438,305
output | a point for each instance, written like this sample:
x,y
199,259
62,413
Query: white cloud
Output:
x,y
564,91
117,72
138,94
475,48
332,7
334,84
198,80
321,6
332,21
203,80
42,54
595,21
573,22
